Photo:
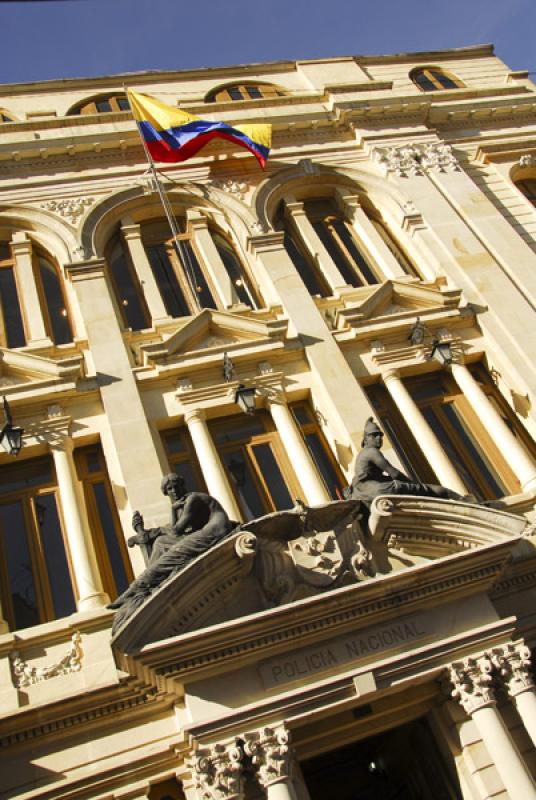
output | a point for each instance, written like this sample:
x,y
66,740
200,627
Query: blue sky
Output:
x,y
72,38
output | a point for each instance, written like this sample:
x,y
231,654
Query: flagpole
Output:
x,y
184,258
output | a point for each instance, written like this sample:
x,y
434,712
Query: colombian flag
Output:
x,y
174,135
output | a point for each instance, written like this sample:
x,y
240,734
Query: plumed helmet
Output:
x,y
370,427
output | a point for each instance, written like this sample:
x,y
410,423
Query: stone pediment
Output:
x,y
214,332
398,299
20,368
255,570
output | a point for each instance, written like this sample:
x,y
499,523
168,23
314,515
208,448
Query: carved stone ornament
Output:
x,y
217,772
238,188
25,674
71,209
470,682
513,662
271,754
318,558
527,160
417,159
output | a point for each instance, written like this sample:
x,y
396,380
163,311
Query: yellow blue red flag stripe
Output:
x,y
172,134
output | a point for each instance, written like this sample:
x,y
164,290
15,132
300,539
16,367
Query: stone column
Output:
x,y
217,772
28,292
365,230
210,462
296,448
212,259
77,531
424,435
299,219
273,759
469,682
513,451
132,236
513,661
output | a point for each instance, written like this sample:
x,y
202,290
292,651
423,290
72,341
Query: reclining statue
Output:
x,y
198,522
374,475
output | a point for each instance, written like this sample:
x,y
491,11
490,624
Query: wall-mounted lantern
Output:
x,y
442,352
10,435
244,395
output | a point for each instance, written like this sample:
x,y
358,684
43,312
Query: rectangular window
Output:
x,y
108,538
36,584
320,451
183,460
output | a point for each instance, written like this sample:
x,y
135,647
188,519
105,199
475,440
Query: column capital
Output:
x,y
194,415
86,270
21,244
55,430
469,681
390,374
271,753
294,208
513,662
130,230
217,772
266,242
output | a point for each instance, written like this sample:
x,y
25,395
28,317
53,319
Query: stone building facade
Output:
x,y
384,264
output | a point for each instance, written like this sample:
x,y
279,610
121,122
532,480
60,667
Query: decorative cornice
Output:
x,y
24,674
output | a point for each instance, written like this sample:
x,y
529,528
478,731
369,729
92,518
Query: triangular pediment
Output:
x,y
398,299
20,367
214,332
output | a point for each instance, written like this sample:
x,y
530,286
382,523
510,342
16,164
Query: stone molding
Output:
x,y
513,663
24,674
271,754
470,682
217,772
415,159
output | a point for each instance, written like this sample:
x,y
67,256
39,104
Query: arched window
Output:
x,y
244,91
103,104
180,272
6,116
49,287
431,79
528,187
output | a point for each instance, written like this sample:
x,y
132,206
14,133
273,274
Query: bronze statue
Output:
x,y
198,522
374,475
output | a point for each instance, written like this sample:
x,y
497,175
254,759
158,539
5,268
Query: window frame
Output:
x,y
11,263
312,427
430,73
89,106
267,91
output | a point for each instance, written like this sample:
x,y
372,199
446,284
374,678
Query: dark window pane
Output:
x,y
254,91
234,433
123,104
110,536
235,93
61,330
103,105
19,565
405,457
234,269
189,476
174,443
452,451
129,296
478,459
9,299
93,462
358,257
241,475
55,558
26,474
444,80
304,268
167,281
188,257
272,475
323,464
424,82
302,414
5,252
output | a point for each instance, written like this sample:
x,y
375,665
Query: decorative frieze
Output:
x,y
70,209
231,186
25,674
470,682
217,772
416,159
271,754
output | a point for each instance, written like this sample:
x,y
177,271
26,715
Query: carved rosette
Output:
x,y
469,681
271,754
417,159
513,663
217,772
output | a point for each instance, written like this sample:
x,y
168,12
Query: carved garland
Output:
x,y
416,159
25,674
